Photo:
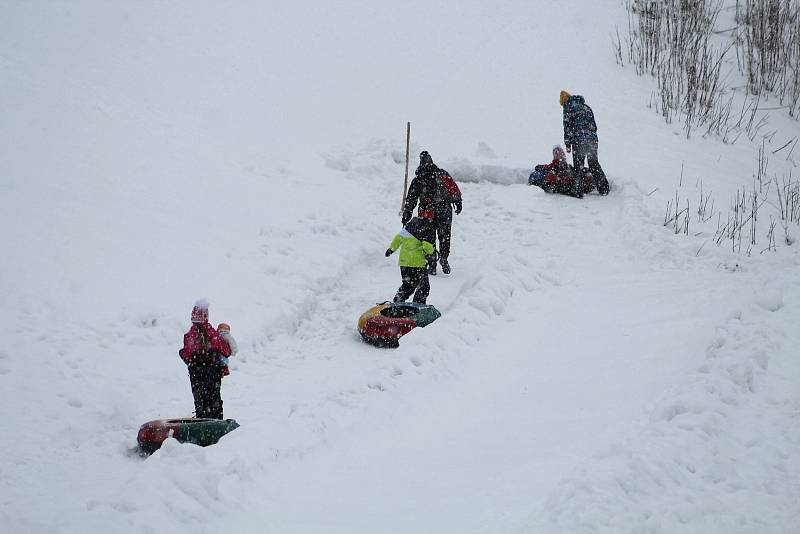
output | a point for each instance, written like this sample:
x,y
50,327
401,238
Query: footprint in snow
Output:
x,y
770,300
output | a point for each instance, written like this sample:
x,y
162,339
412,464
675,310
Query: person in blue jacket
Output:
x,y
580,137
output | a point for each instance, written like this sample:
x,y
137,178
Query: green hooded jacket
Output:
x,y
412,250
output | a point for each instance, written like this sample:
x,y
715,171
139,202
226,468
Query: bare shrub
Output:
x,y
677,42
768,48
672,41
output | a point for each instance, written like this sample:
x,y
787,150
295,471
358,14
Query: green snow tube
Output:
x,y
203,432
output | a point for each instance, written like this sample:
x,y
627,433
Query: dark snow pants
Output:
x,y
414,279
444,224
588,151
206,380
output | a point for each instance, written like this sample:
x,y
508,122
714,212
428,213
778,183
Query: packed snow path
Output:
x,y
565,322
577,336
547,350
559,329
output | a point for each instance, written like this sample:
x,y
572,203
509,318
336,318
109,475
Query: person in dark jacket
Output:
x,y
422,189
437,195
580,137
202,351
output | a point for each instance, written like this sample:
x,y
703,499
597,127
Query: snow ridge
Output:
x,y
721,434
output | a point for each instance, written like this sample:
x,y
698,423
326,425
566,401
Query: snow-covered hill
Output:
x,y
593,371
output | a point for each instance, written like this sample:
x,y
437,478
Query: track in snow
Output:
x,y
480,415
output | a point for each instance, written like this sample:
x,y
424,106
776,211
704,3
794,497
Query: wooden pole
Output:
x,y
405,181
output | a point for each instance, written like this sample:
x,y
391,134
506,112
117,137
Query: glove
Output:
x,y
406,217
457,205
569,149
389,252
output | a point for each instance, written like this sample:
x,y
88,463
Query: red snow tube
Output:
x,y
554,183
387,327
384,324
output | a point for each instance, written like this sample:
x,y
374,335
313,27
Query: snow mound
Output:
x,y
485,151
770,300
721,435
463,170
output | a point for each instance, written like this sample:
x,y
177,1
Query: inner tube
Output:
x,y
385,323
203,432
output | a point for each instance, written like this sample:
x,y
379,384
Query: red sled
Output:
x,y
564,183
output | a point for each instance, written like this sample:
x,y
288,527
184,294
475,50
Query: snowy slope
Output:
x,y
592,371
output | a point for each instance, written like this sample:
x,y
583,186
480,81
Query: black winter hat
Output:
x,y
424,157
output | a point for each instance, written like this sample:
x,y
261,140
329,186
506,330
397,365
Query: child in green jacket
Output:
x,y
415,250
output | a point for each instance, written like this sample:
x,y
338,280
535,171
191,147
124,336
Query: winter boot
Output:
x,y
603,186
577,184
445,266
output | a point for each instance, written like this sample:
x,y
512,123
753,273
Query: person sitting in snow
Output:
x,y
224,330
202,349
415,253
557,176
580,137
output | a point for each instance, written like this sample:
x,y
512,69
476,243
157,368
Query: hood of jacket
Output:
x,y
574,102
418,227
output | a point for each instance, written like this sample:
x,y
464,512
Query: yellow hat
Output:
x,y
563,97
